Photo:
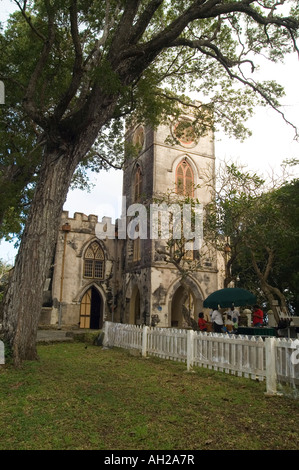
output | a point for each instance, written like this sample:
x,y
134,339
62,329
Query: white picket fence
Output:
x,y
271,359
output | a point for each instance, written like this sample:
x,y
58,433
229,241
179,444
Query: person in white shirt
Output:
x,y
217,320
235,314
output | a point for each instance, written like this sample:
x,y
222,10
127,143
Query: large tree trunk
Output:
x,y
23,299
272,293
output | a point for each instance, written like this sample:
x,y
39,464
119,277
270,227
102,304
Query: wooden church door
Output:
x,y
91,310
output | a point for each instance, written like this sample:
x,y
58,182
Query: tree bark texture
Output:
x,y
23,299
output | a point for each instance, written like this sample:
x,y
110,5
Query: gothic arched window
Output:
x,y
137,184
184,179
94,261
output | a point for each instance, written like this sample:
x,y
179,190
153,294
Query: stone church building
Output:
x,y
101,274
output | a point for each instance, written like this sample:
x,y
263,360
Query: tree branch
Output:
x,y
269,264
77,68
125,25
29,101
101,157
204,45
143,22
28,20
92,58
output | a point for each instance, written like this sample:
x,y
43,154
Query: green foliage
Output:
x,y
4,277
261,226
106,78
279,219
58,58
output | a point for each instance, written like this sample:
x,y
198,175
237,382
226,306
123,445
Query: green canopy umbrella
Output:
x,y
228,297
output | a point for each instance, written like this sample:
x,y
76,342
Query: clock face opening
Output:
x,y
185,133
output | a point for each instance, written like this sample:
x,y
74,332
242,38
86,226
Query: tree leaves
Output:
x,y
55,57
261,226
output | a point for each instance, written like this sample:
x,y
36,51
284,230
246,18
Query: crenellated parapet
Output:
x,y
80,222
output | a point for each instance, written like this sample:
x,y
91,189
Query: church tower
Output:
x,y
126,272
172,161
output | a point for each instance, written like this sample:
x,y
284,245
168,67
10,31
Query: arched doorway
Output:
x,y
91,310
182,306
135,311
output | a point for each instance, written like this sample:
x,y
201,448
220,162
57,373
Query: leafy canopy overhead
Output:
x,y
65,62
57,54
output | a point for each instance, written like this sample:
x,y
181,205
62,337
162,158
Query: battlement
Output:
x,y
82,222
79,217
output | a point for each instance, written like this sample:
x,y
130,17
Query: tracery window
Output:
x,y
94,262
137,185
136,249
184,179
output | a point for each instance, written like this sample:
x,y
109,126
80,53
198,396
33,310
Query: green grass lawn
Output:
x,y
79,397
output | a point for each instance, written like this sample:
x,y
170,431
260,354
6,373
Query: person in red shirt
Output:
x,y
202,324
258,316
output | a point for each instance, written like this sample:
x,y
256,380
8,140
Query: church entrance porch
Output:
x,y
91,310
135,311
182,307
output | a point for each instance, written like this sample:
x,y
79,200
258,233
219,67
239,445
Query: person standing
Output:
x,y
258,316
202,324
235,314
217,320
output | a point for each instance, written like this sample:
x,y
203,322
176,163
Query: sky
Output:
x,y
272,141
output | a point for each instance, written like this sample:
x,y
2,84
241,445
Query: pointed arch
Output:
x,y
188,293
135,310
184,179
91,308
183,302
94,261
137,184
